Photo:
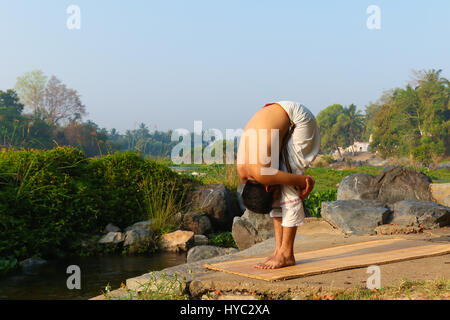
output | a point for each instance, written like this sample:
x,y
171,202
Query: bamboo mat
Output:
x,y
337,258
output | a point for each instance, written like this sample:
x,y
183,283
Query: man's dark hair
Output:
x,y
256,198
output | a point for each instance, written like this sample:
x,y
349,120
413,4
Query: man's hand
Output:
x,y
304,193
276,190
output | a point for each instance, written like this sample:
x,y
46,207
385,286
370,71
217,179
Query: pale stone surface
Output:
x,y
201,280
112,228
136,235
215,201
177,241
355,216
31,263
198,253
200,239
441,193
357,186
146,224
251,228
197,222
112,237
398,183
415,213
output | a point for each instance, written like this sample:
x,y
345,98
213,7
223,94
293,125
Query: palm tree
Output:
x,y
353,122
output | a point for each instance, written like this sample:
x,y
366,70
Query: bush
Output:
x,y
314,202
51,200
224,239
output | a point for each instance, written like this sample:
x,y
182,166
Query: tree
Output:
x,y
31,88
10,101
339,126
415,121
61,104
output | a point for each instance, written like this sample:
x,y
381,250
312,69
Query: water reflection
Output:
x,y
49,281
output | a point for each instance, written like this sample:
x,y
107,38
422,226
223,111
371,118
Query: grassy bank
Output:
x,y
53,202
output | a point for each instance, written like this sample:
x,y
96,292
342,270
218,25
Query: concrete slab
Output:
x,y
200,280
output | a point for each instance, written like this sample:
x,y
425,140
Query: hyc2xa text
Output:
x,y
247,309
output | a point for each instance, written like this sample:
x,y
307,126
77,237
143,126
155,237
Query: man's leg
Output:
x,y
285,255
278,230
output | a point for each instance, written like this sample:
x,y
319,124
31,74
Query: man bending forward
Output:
x,y
279,191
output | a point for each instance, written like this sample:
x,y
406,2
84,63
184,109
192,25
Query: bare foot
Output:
x,y
278,261
259,265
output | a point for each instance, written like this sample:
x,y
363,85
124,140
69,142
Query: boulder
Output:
x,y
205,252
112,228
355,216
200,240
177,241
197,222
112,237
398,183
420,213
251,228
440,192
146,225
357,186
239,190
215,201
135,235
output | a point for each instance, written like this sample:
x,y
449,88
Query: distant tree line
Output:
x,y
43,113
413,122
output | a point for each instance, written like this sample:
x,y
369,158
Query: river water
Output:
x,y
48,282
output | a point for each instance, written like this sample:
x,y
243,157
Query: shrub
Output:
x,y
224,239
314,202
51,200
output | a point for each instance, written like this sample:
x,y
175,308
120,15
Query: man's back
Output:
x,y
250,152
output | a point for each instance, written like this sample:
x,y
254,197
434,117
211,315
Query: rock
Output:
x,y
31,263
355,216
135,235
112,237
357,186
239,190
200,240
215,201
197,222
416,213
390,229
177,241
398,183
440,192
146,225
112,228
205,252
251,228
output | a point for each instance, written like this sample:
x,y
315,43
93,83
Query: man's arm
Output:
x,y
283,178
303,184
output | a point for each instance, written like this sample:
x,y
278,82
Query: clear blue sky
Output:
x,y
168,63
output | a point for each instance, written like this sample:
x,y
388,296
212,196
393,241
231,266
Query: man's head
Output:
x,y
256,198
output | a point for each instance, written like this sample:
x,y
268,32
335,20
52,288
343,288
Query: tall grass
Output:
x,y
161,202
226,174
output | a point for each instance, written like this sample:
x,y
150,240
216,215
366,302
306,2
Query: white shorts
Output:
x,y
302,148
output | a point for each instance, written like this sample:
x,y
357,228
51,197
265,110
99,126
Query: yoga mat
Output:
x,y
336,258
